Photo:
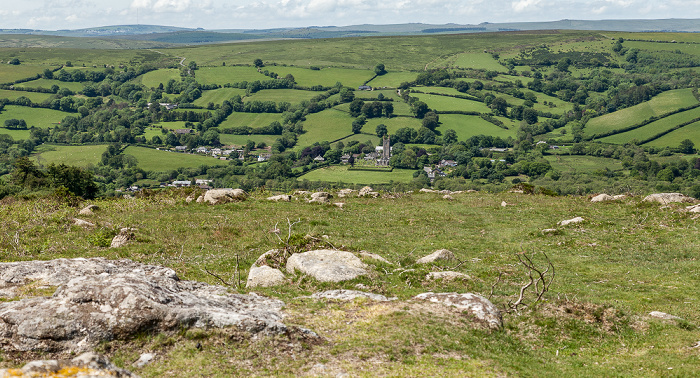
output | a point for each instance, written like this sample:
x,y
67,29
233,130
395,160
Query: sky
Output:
x,y
265,14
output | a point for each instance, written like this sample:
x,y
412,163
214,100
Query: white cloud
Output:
x,y
523,5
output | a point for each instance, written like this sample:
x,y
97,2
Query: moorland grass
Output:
x,y
479,61
328,125
293,96
583,164
326,76
340,173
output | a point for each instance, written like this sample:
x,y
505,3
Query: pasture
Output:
x,y
326,76
647,131
675,137
80,156
150,159
586,164
35,97
444,103
47,84
153,78
327,125
657,106
241,140
16,134
10,73
392,124
250,119
340,173
218,96
171,125
469,126
478,61
362,138
293,96
393,79
222,74
38,117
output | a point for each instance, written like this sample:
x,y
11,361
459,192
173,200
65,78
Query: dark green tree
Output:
x,y
381,130
258,63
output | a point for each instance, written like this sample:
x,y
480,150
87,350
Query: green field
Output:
x,y
393,79
362,138
326,76
153,78
223,75
469,126
674,138
241,140
35,97
250,119
16,134
657,106
588,164
10,73
327,125
340,173
479,61
647,131
47,84
293,96
154,160
80,156
392,124
38,117
171,125
218,96
444,103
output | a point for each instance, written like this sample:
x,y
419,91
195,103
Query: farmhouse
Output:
x,y
364,88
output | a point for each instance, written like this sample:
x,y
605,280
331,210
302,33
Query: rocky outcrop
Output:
x,y
571,221
219,196
123,238
82,223
367,191
281,197
86,365
478,307
98,300
602,198
373,256
320,197
440,254
666,198
349,295
446,276
346,193
327,265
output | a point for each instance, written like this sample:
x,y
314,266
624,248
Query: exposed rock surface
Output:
x,y
448,197
320,197
440,254
426,190
264,276
602,198
666,198
477,306
349,295
327,265
89,210
367,191
144,359
571,221
447,276
123,238
219,196
693,209
339,204
83,223
86,365
663,315
504,204
346,192
373,256
99,299
281,197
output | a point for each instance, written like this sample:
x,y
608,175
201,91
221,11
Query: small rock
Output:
x,y
693,209
446,276
144,360
426,190
373,256
471,191
571,221
549,231
124,236
365,191
302,193
476,305
349,295
440,254
281,197
663,315
82,223
602,198
327,265
220,196
447,197
320,197
666,198
503,204
87,364
339,204
200,199
190,198
619,197
264,276
89,210
345,192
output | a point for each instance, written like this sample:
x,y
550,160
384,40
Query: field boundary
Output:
x,y
674,128
641,124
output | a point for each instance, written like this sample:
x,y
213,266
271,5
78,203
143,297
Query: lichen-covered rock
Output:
x,y
571,221
219,196
666,198
320,197
367,191
98,300
123,238
327,265
346,192
602,198
86,365
264,276
663,316
281,197
426,190
88,210
440,254
446,276
373,256
477,306
349,295
447,197
82,223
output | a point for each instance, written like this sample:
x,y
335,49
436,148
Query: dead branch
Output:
x,y
538,278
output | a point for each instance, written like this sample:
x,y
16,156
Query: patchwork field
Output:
x,y
218,96
469,126
393,79
80,156
479,61
250,119
647,131
392,124
241,140
10,73
223,75
35,97
150,159
326,76
153,78
340,173
444,103
327,125
588,164
292,96
15,134
674,138
38,117
47,84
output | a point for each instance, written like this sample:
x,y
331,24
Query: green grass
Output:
x,y
327,125
38,117
150,132
444,103
585,164
160,161
16,134
469,126
659,105
326,76
174,125
674,138
10,73
647,131
153,78
687,48
479,61
218,96
362,138
293,96
250,119
47,84
393,79
241,140
223,75
392,124
340,173
80,156
35,97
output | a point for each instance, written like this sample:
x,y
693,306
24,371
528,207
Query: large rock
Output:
x,y
264,276
367,191
602,198
98,300
475,305
440,254
82,223
89,210
218,196
346,192
349,295
123,238
86,365
320,197
666,198
281,197
571,221
327,265
446,276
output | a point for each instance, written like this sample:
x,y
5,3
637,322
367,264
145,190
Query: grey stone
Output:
x,y
98,300
349,295
373,256
220,196
339,204
440,254
571,221
367,191
281,197
144,359
264,276
320,197
89,210
666,198
448,197
327,265
477,306
346,192
602,198
663,315
447,276
91,364
426,190
82,223
123,238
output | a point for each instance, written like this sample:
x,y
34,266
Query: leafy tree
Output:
x,y
449,137
258,63
686,147
357,124
48,74
419,109
388,109
381,130
530,116
356,107
78,181
379,69
499,106
347,95
14,61
15,123
431,120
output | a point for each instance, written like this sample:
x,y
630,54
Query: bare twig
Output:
x,y
495,283
537,277
215,276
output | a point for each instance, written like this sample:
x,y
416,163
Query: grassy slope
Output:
x,y
654,128
444,103
35,97
327,125
218,96
154,78
675,137
626,260
326,77
469,126
80,156
223,75
38,117
160,161
341,174
9,73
